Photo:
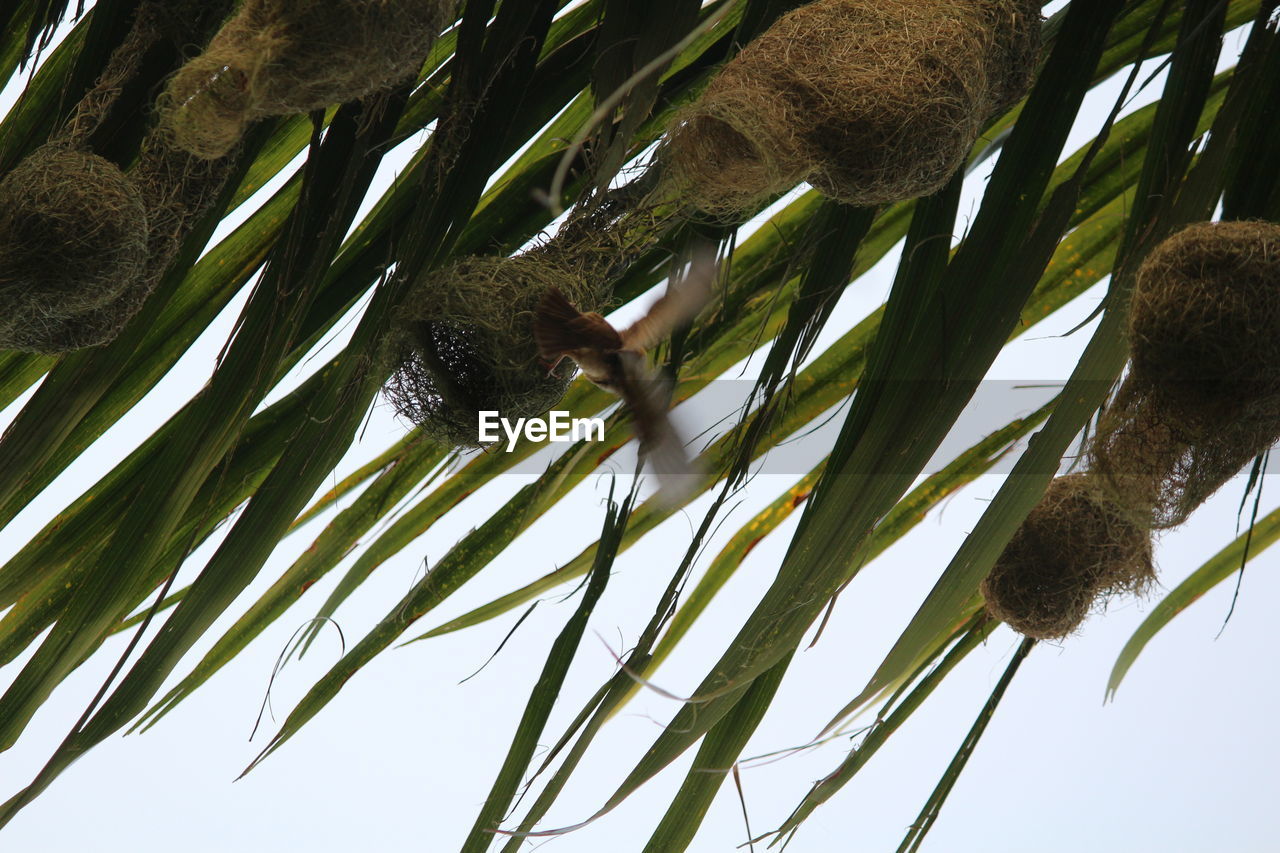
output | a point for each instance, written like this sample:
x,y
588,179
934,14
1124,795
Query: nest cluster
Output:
x,y
73,244
870,101
1202,397
1201,400
282,57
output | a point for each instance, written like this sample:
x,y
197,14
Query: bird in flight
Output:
x,y
615,360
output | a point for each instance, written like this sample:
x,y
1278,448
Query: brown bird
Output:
x,y
615,361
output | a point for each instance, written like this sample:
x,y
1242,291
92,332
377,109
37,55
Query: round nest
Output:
x,y
1204,323
73,239
281,57
1073,548
870,101
463,343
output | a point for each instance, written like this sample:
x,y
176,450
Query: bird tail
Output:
x,y
648,395
553,325
559,328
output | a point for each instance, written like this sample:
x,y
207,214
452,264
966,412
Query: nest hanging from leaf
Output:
x,y
871,101
160,33
463,343
1073,548
1204,324
73,239
154,208
280,58
1203,395
463,340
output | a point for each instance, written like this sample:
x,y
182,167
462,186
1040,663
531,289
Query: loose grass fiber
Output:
x,y
280,57
73,238
1203,395
1074,548
870,101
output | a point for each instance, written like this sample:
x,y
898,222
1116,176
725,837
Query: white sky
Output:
x,y
401,760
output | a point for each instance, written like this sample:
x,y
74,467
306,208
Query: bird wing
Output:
x,y
678,305
646,394
559,328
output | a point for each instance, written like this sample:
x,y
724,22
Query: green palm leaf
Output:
x,y
512,98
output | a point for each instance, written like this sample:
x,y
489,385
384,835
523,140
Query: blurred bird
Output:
x,y
615,361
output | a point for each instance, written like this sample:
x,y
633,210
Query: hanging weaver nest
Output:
x,y
1204,324
159,35
1074,548
73,235
463,340
176,189
871,101
126,231
281,57
463,343
1203,395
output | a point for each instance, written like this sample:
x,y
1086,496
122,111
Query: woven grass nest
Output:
x,y
1203,395
281,57
1074,548
463,343
871,101
1204,324
73,243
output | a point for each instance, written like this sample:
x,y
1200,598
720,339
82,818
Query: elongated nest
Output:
x,y
871,101
73,239
277,57
1202,398
1073,549
463,343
